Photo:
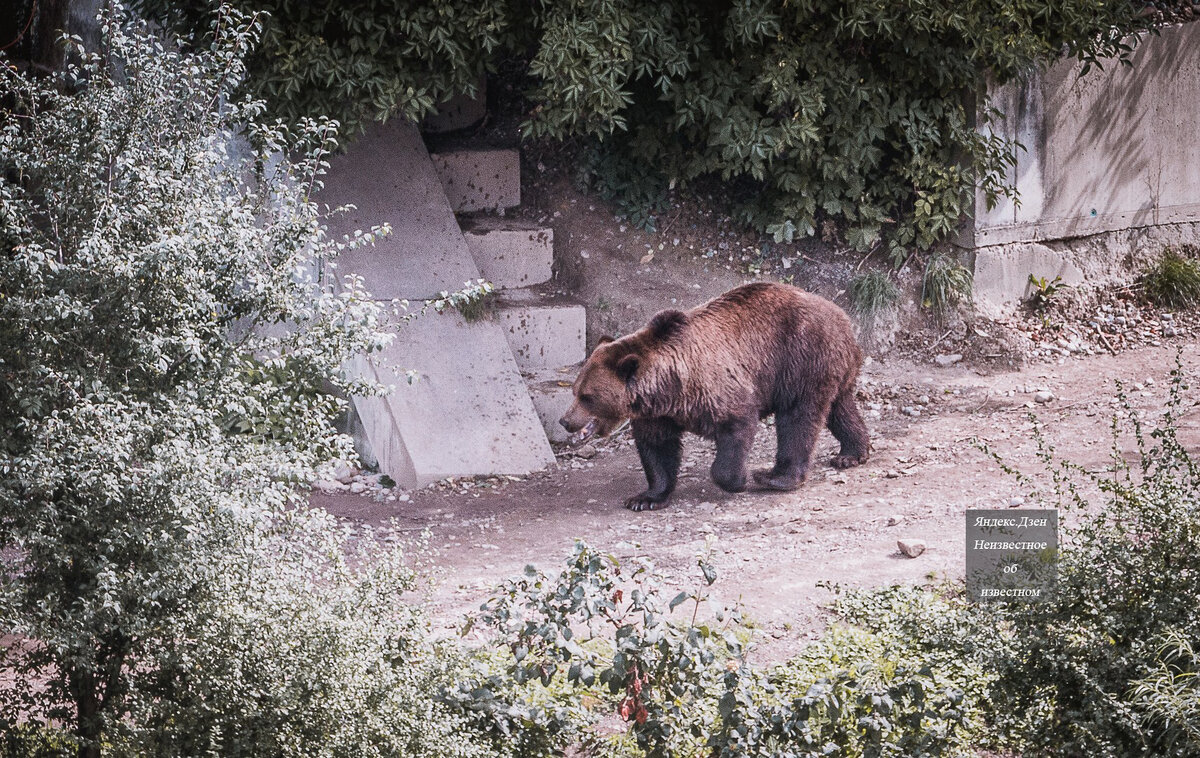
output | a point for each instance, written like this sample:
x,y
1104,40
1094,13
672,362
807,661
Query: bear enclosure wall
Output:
x,y
1115,149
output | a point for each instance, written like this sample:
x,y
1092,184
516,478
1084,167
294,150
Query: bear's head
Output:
x,y
601,391
605,391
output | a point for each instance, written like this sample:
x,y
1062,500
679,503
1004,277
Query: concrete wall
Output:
x,y
1114,149
1109,173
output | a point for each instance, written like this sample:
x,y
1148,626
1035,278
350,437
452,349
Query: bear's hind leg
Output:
x,y
796,433
659,446
848,427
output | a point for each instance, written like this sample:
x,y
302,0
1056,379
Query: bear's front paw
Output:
x,y
768,479
646,501
848,461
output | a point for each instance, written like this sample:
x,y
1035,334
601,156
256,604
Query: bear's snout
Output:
x,y
575,418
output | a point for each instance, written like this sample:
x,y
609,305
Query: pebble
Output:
x,y
908,410
893,520
947,360
357,487
1016,502
344,471
911,547
1044,396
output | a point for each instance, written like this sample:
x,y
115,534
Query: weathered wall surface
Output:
x,y
1114,149
1112,157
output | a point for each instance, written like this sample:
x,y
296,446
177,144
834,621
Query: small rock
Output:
x,y
357,488
891,474
1016,502
404,498
329,486
911,548
923,400
587,451
947,360
908,410
344,471
893,520
1043,396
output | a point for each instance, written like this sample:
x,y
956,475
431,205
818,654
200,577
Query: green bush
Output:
x,y
358,61
944,285
1107,667
606,635
1174,280
856,111
872,292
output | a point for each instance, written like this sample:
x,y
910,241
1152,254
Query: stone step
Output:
x,y
543,336
509,252
480,180
550,390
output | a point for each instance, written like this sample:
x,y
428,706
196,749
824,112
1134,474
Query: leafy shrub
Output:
x,y
1103,668
1174,281
860,112
945,284
361,61
1043,292
636,187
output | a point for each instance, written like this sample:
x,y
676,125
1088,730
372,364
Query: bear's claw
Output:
x,y
645,502
848,461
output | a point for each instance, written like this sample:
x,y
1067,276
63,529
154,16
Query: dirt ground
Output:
x,y
772,549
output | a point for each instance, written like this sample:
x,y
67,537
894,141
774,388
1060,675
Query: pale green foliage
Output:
x,y
168,328
872,292
1174,280
945,284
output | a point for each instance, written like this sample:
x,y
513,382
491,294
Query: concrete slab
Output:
x,y
544,336
1002,274
550,390
510,253
389,176
480,180
1113,149
468,413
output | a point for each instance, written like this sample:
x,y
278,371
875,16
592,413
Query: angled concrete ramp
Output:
x,y
470,412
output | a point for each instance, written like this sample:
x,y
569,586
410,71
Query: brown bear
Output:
x,y
715,371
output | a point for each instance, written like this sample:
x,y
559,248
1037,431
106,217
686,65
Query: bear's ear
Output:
x,y
627,367
666,323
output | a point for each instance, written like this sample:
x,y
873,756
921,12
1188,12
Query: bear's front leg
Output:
x,y
658,445
734,439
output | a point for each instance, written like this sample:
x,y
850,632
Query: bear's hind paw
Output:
x,y
768,479
848,461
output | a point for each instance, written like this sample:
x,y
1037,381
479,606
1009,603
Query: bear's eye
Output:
x,y
586,398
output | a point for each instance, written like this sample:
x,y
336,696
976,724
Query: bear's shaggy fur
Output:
x,y
715,371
